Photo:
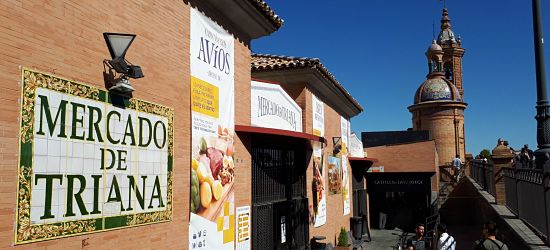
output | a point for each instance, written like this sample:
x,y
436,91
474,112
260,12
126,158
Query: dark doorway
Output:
x,y
279,200
404,199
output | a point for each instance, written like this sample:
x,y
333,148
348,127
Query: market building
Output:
x,y
325,178
139,125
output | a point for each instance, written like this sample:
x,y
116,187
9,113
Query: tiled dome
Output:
x,y
436,89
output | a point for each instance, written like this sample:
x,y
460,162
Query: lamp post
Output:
x,y
542,154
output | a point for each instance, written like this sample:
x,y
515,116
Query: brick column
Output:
x,y
502,157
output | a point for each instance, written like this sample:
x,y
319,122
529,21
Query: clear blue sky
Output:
x,y
376,50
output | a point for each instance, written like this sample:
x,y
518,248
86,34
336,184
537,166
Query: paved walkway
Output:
x,y
383,239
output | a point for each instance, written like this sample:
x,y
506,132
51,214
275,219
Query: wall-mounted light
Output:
x,y
336,144
118,44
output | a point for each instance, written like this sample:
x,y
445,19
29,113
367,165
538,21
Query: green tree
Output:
x,y
485,153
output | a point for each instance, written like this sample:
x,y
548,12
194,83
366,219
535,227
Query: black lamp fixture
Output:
x,y
337,145
118,44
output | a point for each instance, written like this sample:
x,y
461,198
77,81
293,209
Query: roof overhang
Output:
x,y
318,83
280,132
252,20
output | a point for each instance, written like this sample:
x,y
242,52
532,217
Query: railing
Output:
x,y
527,192
483,174
528,197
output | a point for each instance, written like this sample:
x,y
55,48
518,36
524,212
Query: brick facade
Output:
x,y
65,39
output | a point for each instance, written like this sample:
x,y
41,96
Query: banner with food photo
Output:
x,y
212,211
344,129
334,175
345,184
318,186
318,117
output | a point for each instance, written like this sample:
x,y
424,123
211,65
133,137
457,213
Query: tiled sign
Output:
x,y
90,161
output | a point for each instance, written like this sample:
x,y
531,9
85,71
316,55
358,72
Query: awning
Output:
x,y
272,131
361,164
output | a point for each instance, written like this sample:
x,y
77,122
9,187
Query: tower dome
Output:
x,y
436,89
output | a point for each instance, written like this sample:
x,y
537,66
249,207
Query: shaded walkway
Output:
x,y
383,239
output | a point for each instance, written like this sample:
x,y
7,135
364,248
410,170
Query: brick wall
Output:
x,y
65,38
409,157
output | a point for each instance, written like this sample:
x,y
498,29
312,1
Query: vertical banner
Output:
x,y
243,228
344,128
318,186
318,117
212,219
345,184
334,175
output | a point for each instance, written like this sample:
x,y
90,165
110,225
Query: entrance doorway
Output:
x,y
399,199
279,200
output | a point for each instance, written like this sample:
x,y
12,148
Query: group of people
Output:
x,y
447,242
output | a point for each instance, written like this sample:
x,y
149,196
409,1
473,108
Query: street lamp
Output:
x,y
542,154
118,44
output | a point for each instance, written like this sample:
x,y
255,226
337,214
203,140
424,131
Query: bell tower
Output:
x,y
452,53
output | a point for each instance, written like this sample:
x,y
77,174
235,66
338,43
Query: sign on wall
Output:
x,y
345,130
244,224
212,208
318,117
87,164
272,107
345,185
334,175
318,186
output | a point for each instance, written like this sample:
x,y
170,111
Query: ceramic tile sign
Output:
x,y
345,185
318,117
243,224
89,161
318,186
334,175
272,107
212,211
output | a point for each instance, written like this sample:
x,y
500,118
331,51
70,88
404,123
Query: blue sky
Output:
x,y
376,50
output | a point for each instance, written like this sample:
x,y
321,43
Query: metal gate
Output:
x,y
279,204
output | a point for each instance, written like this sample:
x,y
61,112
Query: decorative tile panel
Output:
x,y
81,164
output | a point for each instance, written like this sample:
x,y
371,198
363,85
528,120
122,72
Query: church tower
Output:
x,y
438,102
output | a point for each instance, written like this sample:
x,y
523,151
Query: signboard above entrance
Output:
x,y
399,182
272,107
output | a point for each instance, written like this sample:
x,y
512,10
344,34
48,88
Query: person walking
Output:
x,y
445,241
489,241
418,241
457,164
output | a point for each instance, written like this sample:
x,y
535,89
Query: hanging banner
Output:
x,y
345,185
272,107
344,128
243,224
87,164
334,175
318,186
212,219
318,117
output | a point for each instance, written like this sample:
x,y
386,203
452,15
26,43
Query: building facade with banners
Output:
x,y
184,151
89,164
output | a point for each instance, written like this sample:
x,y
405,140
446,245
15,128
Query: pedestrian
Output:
x,y
457,164
489,241
445,241
418,241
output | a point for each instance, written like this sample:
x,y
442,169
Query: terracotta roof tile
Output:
x,y
266,62
268,12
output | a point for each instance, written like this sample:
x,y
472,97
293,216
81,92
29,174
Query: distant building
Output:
x,y
439,101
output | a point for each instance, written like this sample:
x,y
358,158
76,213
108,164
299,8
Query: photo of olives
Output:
x,y
212,173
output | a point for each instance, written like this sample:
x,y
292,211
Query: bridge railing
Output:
x,y
526,192
483,173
